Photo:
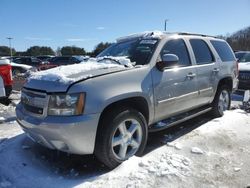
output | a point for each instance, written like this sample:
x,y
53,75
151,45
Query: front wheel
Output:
x,y
222,101
121,136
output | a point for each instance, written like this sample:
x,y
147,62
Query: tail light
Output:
x,y
6,73
237,67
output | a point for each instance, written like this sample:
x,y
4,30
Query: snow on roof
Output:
x,y
71,73
145,34
4,61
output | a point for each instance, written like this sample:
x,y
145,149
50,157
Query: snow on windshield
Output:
x,y
122,60
71,73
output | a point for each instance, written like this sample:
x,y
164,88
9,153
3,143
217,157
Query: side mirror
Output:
x,y
168,61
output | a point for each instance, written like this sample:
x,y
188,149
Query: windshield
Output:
x,y
138,51
243,56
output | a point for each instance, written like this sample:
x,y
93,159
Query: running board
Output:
x,y
164,124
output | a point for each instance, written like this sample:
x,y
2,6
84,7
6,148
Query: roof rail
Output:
x,y
195,34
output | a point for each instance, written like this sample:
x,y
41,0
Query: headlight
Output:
x,y
66,104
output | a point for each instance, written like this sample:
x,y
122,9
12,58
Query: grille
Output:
x,y
244,75
34,102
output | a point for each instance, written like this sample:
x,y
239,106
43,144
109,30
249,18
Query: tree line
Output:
x,y
240,40
45,50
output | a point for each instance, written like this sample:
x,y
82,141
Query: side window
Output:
x,y
74,60
202,53
247,57
177,47
35,61
17,61
27,61
223,49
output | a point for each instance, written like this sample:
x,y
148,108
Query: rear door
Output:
x,y
175,88
207,70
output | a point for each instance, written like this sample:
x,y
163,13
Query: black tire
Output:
x,y
109,126
15,72
217,111
5,101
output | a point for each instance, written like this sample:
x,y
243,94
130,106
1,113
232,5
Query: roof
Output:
x,y
157,34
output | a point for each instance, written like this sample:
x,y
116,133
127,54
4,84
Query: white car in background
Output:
x,y
18,69
244,69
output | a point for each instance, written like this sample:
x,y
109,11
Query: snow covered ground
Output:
x,y
201,152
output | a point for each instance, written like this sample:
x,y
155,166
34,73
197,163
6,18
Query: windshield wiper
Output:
x,y
112,59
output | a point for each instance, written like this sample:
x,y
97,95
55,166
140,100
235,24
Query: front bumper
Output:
x,y
244,84
75,134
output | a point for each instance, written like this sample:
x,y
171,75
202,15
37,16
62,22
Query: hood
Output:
x,y
60,78
244,66
27,67
4,62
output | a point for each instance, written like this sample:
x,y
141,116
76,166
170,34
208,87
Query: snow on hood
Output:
x,y
21,65
4,62
72,73
244,66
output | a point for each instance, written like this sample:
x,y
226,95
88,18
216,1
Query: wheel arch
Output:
x,y
228,81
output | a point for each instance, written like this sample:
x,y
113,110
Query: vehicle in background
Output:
x,y
18,69
81,57
243,56
244,69
65,60
31,61
5,79
44,57
2,89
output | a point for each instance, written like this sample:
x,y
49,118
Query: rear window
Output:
x,y
224,50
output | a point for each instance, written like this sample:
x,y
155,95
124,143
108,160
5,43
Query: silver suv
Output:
x,y
108,109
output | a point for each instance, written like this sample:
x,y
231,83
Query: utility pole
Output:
x,y
165,25
10,38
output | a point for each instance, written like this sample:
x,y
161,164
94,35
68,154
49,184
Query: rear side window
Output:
x,y
60,60
202,53
224,50
35,61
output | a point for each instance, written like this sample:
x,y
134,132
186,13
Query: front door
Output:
x,y
175,88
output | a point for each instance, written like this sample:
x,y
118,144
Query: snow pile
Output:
x,y
196,150
71,73
2,119
225,161
142,172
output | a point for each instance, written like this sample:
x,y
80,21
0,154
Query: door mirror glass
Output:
x,y
168,61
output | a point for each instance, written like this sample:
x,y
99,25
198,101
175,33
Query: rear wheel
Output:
x,y
222,101
121,135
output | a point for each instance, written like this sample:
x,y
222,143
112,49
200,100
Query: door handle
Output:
x,y
216,70
191,75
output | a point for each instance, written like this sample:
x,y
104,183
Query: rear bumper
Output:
x,y
69,134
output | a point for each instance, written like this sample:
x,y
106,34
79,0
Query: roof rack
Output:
x,y
195,34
